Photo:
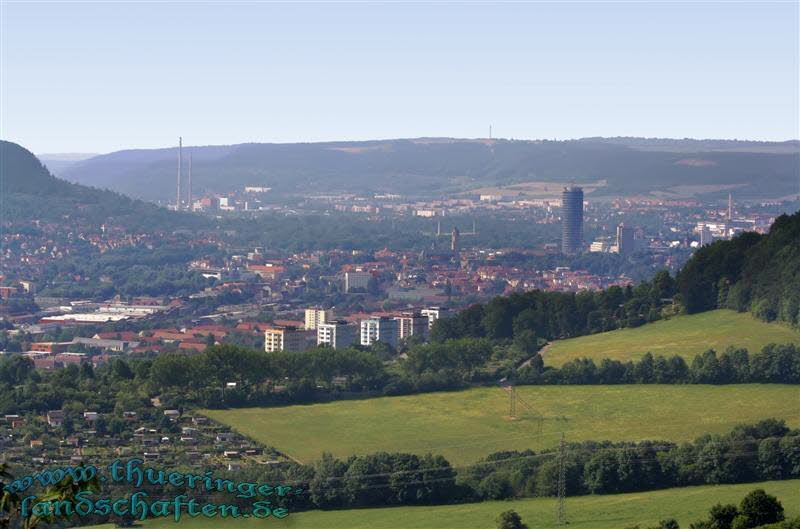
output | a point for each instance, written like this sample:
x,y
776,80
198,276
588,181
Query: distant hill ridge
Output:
x,y
434,166
28,191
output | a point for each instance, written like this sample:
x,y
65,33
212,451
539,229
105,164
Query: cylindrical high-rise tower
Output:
x,y
572,220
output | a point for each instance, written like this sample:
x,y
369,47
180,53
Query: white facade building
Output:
x,y
380,329
435,313
337,334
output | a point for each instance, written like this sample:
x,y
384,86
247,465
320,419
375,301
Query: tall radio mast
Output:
x,y
189,184
180,161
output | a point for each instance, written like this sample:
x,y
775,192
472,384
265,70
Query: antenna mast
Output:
x,y
180,160
189,201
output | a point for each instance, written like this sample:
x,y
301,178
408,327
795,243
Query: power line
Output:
x,y
563,452
561,514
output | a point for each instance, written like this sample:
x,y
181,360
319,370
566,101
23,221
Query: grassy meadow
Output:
x,y
467,425
686,336
586,512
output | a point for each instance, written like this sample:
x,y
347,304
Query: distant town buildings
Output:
x,y
356,280
572,220
600,247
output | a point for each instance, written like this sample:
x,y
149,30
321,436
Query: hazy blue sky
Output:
x,y
102,76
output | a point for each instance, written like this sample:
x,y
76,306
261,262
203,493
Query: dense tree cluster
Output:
x,y
556,315
751,272
779,364
263,378
764,451
757,509
382,479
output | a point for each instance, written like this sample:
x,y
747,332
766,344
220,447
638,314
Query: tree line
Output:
x,y
777,364
235,376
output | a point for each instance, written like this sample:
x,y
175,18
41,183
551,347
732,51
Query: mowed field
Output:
x,y
586,512
686,336
465,426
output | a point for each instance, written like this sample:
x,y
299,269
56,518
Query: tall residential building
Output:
x,y
285,338
705,236
625,240
356,280
572,220
455,240
412,324
435,313
337,334
315,317
381,329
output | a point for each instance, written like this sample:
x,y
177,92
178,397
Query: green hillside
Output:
x,y
686,336
467,425
28,192
587,512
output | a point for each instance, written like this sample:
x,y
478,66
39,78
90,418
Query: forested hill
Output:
x,y
28,192
752,272
430,166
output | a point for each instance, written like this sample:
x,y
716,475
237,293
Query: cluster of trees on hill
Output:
x,y
757,509
764,451
28,187
751,272
779,364
557,315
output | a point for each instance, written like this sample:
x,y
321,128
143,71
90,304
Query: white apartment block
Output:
x,y
337,334
412,324
380,329
435,313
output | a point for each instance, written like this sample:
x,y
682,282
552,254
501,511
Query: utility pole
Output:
x,y
561,513
512,405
